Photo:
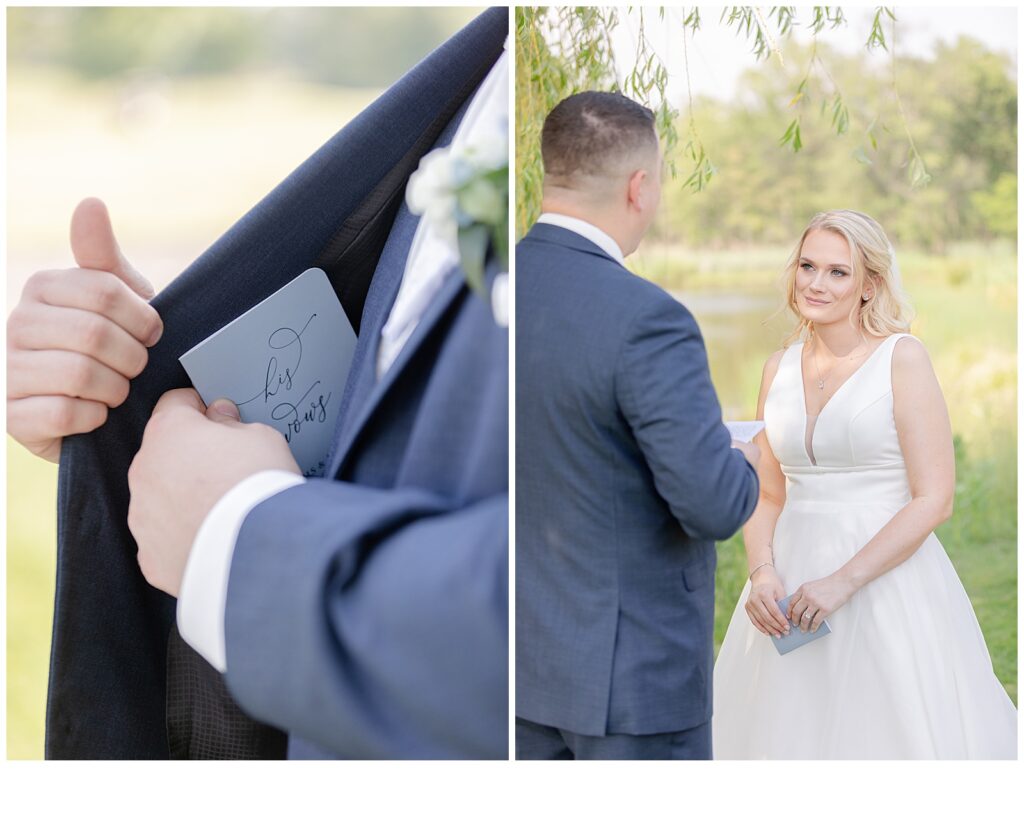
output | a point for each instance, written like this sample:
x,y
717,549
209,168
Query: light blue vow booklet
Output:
x,y
796,638
284,363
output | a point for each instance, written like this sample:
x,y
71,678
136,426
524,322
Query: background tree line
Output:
x,y
742,175
318,44
961,106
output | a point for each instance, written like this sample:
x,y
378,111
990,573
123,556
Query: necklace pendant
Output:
x,y
821,384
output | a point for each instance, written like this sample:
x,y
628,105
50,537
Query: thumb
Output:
x,y
94,246
223,411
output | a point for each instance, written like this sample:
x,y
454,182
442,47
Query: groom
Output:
x,y
359,615
624,472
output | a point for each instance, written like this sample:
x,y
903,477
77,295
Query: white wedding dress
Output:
x,y
905,672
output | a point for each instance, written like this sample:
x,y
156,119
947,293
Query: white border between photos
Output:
x,y
481,789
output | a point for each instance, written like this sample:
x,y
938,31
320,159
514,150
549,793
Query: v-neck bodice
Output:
x,y
854,432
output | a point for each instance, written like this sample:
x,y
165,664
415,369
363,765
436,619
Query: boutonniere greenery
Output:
x,y
463,192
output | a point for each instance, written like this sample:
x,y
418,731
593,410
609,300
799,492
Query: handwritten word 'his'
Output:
x,y
280,339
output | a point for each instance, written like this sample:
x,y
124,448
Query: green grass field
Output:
x,y
31,567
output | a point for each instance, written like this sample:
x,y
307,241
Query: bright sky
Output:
x,y
718,55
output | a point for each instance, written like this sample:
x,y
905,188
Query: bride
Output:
x,y
856,471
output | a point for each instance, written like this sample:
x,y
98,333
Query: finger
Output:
x,y
805,618
778,616
792,607
43,327
44,417
758,610
748,610
103,293
769,620
759,626
93,245
795,617
752,614
58,372
180,399
816,620
223,410
798,614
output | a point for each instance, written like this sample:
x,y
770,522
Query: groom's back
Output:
x,y
574,307
624,478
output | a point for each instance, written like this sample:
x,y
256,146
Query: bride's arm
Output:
x,y
765,586
926,440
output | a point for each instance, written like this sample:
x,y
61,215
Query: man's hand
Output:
x,y
76,338
190,457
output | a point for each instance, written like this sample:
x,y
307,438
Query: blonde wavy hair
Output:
x,y
887,311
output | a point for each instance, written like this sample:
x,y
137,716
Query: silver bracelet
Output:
x,y
762,565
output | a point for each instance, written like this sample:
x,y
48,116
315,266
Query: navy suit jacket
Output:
x,y
624,480
367,614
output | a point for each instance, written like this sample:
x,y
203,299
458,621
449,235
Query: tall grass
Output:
x,y
31,568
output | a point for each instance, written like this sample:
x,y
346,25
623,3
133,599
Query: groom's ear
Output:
x,y
635,190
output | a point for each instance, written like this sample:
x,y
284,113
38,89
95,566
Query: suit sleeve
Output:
x,y
664,390
373,623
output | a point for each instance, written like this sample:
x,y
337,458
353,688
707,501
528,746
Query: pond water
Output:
x,y
741,329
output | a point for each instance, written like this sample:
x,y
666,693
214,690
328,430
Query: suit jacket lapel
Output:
x,y
363,409
364,393
379,300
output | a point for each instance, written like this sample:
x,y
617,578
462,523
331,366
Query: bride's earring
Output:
x,y
866,296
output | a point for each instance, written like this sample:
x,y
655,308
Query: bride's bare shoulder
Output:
x,y
910,354
913,376
771,366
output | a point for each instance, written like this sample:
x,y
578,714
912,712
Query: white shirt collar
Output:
x,y
588,231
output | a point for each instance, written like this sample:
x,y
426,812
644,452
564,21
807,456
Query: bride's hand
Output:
x,y
813,601
765,590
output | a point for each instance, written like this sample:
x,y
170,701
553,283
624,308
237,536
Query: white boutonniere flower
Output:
x,y
464,194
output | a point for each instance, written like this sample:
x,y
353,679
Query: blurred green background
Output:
x,y
180,119
721,251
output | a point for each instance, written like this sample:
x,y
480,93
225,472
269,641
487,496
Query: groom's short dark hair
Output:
x,y
587,132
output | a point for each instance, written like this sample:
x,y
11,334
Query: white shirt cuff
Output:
x,y
204,585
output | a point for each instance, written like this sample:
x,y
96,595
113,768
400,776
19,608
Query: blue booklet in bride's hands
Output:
x,y
796,638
